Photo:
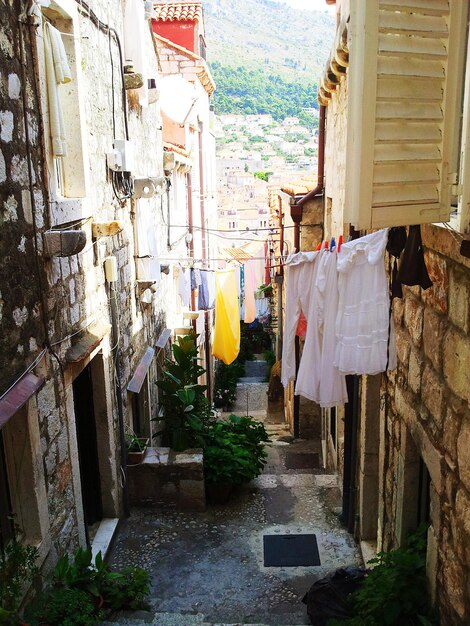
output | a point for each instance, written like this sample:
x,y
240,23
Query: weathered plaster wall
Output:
x,y
428,416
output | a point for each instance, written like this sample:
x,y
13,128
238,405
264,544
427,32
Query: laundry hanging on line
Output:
x,y
206,290
226,344
344,298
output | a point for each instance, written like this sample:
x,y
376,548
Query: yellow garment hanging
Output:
x,y
227,317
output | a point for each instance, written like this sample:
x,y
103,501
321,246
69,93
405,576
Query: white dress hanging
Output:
x,y
362,322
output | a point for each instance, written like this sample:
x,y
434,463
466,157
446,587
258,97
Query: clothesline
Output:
x,y
252,258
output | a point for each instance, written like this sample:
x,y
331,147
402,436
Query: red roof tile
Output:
x,y
178,11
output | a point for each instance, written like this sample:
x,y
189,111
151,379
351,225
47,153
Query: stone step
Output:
x,y
140,618
256,368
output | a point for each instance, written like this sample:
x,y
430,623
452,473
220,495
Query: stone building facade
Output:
x,y
412,459
85,322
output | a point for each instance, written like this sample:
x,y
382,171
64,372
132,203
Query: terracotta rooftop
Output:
x,y
178,11
203,70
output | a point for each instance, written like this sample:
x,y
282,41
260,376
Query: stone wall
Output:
x,y
427,417
73,289
22,333
168,479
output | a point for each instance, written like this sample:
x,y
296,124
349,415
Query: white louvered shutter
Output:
x,y
404,102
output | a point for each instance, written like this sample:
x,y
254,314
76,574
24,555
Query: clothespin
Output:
x,y
332,244
318,247
326,245
340,242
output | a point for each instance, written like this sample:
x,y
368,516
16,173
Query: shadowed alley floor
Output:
x,y
207,568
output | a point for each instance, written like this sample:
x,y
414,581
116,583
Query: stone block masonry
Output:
x,y
428,418
168,479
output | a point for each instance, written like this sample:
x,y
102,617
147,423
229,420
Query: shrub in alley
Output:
x,y
235,451
81,592
186,411
17,568
225,386
394,592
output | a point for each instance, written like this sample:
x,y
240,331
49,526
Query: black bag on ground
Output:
x,y
327,598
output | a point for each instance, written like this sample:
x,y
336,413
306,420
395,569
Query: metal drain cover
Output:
x,y
290,550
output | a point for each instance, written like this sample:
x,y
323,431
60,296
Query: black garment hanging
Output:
x,y
395,245
413,270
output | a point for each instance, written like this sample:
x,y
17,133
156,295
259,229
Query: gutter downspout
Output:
x,y
296,212
202,204
191,232
280,280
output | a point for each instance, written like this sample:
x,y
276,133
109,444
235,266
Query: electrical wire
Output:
x,y
56,343
27,370
105,28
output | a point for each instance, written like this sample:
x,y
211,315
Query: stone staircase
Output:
x,y
256,369
142,618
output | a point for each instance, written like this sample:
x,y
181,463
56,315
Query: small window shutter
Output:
x,y
404,97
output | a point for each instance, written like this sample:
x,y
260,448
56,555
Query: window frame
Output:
x,y
69,195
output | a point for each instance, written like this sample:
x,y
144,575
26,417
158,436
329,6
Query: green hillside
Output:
x,y
245,91
265,56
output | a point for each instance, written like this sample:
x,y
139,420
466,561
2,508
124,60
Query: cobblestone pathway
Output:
x,y
207,568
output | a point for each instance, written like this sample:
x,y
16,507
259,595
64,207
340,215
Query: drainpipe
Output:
x,y
296,211
191,232
279,281
112,298
202,204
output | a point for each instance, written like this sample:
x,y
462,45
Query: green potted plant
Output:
x,y
234,454
266,290
184,406
136,448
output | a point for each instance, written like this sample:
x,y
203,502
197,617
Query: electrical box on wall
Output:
x,y
121,158
127,152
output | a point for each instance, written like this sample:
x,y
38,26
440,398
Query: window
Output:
x,y
141,410
68,172
408,67
140,395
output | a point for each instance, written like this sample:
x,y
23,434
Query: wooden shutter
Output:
x,y
404,102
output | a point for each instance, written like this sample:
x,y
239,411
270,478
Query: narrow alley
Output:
x,y
208,568
234,260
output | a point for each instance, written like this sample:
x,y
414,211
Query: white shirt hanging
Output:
x,y
362,323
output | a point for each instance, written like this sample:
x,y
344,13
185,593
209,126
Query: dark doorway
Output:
x,y
6,523
424,494
87,446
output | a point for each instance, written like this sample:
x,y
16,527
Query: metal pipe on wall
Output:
x,y
296,211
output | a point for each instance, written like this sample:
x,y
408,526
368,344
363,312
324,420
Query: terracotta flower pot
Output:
x,y
137,456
